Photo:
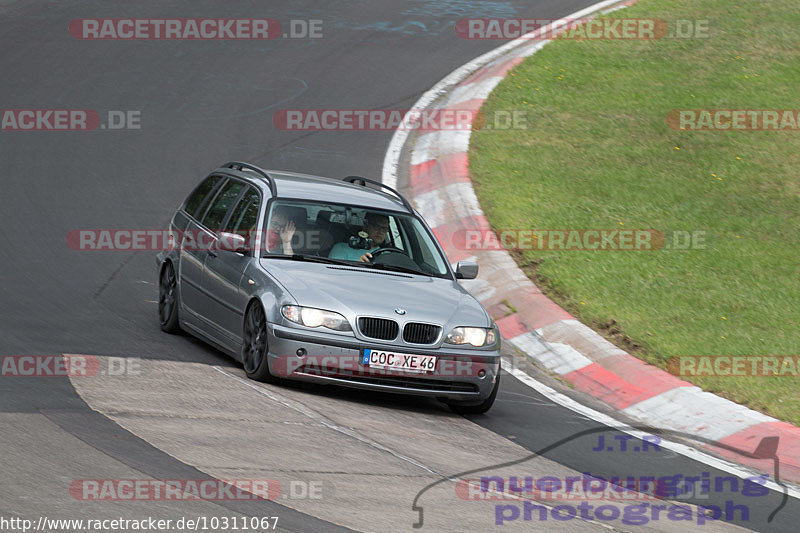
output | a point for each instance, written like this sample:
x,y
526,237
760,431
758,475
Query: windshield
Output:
x,y
358,235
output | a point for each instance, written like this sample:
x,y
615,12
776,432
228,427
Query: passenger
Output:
x,y
370,238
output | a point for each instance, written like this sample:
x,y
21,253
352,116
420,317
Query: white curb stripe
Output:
x,y
438,143
691,410
431,205
462,194
556,357
577,331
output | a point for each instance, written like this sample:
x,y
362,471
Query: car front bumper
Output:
x,y
460,375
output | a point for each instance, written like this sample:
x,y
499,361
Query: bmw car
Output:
x,y
333,281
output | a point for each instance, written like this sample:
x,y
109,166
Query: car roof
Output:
x,y
317,188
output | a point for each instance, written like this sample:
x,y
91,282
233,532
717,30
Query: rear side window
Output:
x,y
200,194
221,204
244,218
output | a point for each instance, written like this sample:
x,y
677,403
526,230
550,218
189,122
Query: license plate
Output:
x,y
399,361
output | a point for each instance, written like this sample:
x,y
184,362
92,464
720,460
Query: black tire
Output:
x,y
479,408
255,346
168,300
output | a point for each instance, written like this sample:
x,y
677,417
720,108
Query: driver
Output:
x,y
376,226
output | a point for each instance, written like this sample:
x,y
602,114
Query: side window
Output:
x,y
245,215
221,204
198,196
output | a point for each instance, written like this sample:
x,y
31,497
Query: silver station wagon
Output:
x,y
332,281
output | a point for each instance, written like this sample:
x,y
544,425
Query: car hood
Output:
x,y
355,291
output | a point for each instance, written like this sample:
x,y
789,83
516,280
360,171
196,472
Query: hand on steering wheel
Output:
x,y
371,256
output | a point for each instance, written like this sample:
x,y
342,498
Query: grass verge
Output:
x,y
598,154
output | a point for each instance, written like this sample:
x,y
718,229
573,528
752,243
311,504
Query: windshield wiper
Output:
x,y
395,268
331,261
309,258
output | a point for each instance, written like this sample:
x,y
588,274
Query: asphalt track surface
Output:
x,y
204,103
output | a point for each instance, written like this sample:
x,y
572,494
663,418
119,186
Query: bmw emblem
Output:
x,y
399,310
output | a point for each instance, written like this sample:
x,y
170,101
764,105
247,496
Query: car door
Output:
x,y
190,263
223,270
203,238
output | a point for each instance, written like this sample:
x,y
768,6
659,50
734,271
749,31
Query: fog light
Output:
x,y
481,373
301,352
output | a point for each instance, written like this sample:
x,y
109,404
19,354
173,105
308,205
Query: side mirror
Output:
x,y
231,242
466,270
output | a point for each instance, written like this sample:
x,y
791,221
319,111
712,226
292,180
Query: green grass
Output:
x,y
598,153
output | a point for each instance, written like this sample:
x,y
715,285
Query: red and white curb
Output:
x,y
443,194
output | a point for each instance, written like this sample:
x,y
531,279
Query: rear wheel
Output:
x,y
255,347
168,300
479,408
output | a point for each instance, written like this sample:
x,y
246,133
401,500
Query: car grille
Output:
x,y
418,333
378,328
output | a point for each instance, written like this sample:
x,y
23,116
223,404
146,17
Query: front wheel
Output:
x,y
255,347
168,300
480,408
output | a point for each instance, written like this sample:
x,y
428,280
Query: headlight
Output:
x,y
473,336
314,318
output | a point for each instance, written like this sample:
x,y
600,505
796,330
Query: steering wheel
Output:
x,y
385,249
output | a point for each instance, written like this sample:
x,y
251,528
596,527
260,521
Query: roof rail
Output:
x,y
355,179
238,165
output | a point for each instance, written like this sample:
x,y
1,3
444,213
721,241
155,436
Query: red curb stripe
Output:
x,y
649,377
606,386
748,439
447,233
511,326
421,177
537,310
437,173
